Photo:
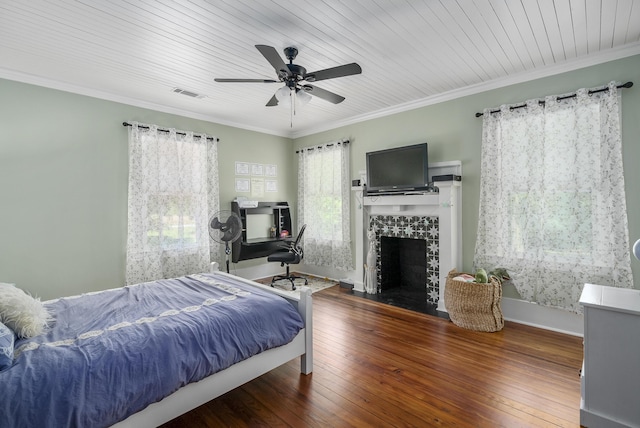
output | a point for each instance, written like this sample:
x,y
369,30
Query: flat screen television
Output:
x,y
398,170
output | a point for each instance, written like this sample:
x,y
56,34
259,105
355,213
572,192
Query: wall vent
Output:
x,y
187,93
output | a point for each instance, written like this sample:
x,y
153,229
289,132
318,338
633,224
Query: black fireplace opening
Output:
x,y
403,264
403,275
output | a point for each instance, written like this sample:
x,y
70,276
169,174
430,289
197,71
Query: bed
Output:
x,y
79,372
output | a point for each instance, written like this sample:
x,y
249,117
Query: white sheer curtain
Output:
x,y
552,200
324,205
173,190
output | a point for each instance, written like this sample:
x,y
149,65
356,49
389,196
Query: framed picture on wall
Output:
x,y
242,168
257,169
271,170
271,186
243,185
257,187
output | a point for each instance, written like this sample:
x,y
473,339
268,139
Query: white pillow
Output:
x,y
23,314
7,338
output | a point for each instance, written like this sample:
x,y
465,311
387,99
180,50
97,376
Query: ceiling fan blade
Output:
x,y
245,80
274,59
324,94
272,102
332,73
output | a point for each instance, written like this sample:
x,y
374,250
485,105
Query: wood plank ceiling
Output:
x,y
411,52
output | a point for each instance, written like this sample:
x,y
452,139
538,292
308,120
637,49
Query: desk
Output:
x,y
610,377
253,248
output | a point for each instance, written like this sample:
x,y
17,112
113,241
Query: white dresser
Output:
x,y
610,377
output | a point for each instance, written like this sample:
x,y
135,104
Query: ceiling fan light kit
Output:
x,y
303,97
283,95
292,75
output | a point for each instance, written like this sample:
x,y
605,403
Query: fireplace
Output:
x,y
407,260
435,218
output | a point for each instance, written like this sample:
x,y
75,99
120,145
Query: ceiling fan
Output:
x,y
296,78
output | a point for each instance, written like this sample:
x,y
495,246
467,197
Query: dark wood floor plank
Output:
x,y
378,365
494,370
302,395
393,379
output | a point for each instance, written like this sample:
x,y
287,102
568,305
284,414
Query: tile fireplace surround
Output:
x,y
410,227
406,216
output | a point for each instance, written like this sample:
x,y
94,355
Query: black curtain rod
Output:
x,y
327,145
541,102
166,130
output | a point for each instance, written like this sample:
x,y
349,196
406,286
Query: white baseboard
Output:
x,y
324,272
358,286
513,309
543,317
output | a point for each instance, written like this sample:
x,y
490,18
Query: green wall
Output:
x,y
64,169
454,133
63,184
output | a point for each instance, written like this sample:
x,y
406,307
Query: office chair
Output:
x,y
293,256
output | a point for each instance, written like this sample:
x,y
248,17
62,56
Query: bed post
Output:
x,y
305,309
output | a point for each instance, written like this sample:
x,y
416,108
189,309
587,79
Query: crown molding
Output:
x,y
94,93
569,65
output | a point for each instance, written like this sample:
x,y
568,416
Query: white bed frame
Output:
x,y
195,394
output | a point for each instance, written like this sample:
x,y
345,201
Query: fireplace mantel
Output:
x,y
404,202
446,205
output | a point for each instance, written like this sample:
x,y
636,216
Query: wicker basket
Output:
x,y
474,306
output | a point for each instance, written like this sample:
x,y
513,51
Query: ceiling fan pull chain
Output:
x,y
293,108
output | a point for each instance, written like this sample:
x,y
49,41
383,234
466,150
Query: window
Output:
x,y
324,205
173,190
172,222
552,202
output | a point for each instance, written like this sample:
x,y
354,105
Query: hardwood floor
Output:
x,y
379,365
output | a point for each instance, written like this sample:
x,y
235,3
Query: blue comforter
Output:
x,y
112,353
